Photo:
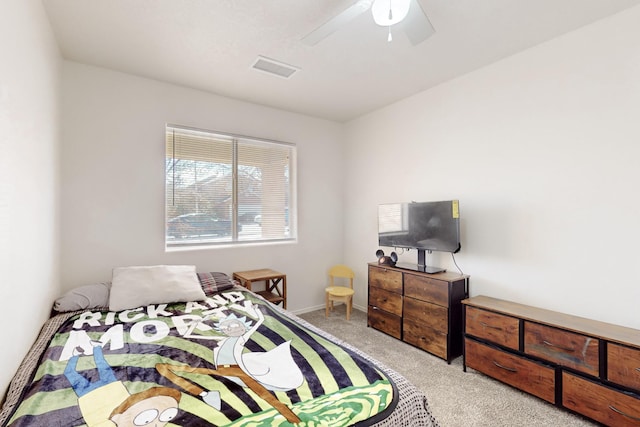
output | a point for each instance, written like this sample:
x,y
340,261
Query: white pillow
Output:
x,y
139,286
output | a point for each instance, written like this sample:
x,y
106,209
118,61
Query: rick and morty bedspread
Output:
x,y
232,360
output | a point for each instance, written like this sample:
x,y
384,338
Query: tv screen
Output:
x,y
431,226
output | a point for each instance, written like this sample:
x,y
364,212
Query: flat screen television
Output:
x,y
424,226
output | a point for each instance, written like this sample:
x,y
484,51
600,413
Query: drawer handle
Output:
x,y
559,346
614,409
486,325
504,367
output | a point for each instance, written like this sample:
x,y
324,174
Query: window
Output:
x,y
223,189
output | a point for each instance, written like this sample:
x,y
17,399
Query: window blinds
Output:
x,y
223,188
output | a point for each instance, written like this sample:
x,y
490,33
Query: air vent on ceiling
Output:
x,y
273,67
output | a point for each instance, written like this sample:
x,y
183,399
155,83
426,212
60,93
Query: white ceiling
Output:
x,y
211,45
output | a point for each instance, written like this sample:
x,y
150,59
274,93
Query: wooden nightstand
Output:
x,y
275,284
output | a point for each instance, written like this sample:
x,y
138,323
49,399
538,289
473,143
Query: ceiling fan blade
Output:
x,y
337,22
416,25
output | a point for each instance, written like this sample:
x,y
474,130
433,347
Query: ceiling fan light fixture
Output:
x,y
389,12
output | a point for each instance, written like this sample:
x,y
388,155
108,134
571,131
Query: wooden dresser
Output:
x,y
588,367
421,309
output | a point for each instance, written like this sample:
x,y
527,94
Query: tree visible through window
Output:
x,y
223,189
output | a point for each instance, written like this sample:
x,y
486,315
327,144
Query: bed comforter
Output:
x,y
232,360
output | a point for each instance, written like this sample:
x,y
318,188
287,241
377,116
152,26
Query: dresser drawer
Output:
x,y
532,377
426,289
494,327
386,322
427,338
387,301
389,280
427,314
565,348
603,404
623,365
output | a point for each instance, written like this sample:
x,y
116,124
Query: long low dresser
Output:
x,y
588,367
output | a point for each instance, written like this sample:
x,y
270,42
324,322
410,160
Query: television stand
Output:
x,y
422,264
431,270
420,268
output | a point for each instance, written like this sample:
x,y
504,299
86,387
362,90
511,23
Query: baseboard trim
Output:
x,y
319,307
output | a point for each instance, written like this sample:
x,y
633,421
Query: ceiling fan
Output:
x,y
406,14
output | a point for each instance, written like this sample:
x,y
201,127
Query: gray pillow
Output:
x,y
214,282
83,297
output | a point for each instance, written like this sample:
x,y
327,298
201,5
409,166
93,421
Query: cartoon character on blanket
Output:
x,y
262,372
106,401
273,370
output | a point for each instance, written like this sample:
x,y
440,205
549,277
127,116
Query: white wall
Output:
x,y
113,180
542,151
29,183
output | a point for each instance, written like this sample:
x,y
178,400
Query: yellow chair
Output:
x,y
337,292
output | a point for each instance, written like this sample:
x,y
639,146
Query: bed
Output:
x,y
224,358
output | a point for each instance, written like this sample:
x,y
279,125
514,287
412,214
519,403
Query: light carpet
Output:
x,y
456,398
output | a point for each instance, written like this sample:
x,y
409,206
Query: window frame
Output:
x,y
235,239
